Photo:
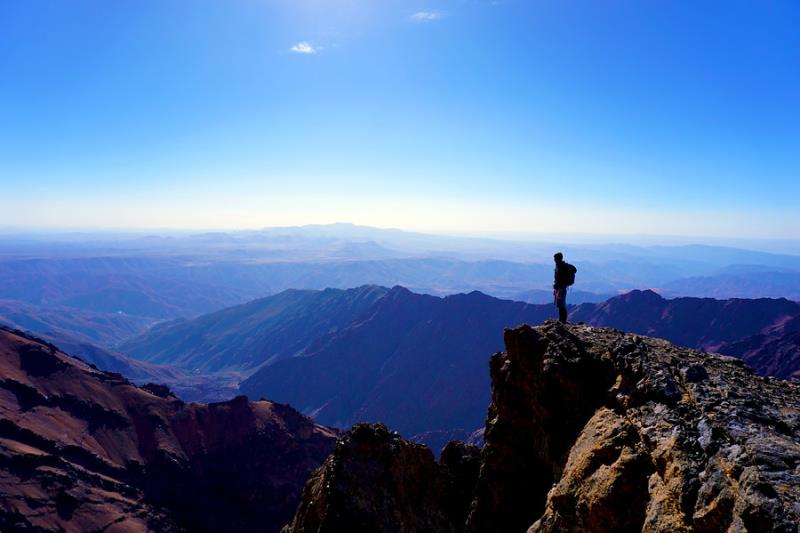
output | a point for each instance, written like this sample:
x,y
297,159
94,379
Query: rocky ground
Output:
x,y
589,429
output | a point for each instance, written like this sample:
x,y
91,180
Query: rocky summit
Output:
x,y
589,429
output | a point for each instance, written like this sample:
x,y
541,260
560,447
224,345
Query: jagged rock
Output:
x,y
604,483
589,429
634,434
461,463
438,440
375,481
156,389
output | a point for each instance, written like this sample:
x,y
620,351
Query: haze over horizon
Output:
x,y
476,117
340,230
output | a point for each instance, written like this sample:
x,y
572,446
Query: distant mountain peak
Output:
x,y
472,296
641,295
399,290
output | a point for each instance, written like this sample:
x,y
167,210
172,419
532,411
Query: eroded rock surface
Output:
x,y
636,435
589,429
375,481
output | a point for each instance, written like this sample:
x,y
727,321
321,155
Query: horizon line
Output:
x,y
611,238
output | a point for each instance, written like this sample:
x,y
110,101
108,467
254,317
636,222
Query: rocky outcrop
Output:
x,y
438,440
635,434
85,450
376,481
589,429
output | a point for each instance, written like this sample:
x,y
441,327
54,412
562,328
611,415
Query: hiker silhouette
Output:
x,y
564,277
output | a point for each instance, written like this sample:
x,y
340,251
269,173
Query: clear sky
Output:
x,y
661,117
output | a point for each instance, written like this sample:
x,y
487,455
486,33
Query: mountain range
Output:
x,y
415,361
179,276
702,323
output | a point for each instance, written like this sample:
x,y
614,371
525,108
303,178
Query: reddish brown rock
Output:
x,y
84,450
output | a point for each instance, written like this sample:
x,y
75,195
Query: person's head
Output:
x,y
558,257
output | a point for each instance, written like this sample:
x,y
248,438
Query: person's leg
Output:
x,y
561,303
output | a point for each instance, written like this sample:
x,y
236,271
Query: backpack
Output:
x,y
569,278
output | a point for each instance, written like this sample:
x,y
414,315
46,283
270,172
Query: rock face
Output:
x,y
589,429
85,450
376,481
635,434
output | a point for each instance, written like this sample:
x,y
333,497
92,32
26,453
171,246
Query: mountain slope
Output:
x,y
88,335
112,361
416,362
85,450
91,337
244,337
589,429
105,330
775,351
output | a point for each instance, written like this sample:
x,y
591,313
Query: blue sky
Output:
x,y
656,117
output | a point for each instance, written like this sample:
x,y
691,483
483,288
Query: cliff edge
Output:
x,y
589,429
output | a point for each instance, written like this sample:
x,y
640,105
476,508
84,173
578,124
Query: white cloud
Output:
x,y
426,16
303,47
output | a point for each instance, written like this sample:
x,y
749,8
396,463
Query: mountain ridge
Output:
x,y
436,346
688,321
417,361
268,328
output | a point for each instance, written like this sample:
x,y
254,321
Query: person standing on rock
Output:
x,y
564,277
